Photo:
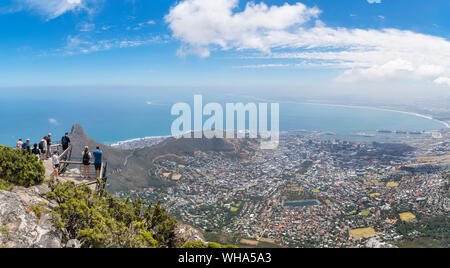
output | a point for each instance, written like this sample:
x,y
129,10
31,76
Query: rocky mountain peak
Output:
x,y
78,131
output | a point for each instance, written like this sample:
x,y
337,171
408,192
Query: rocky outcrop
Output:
x,y
24,220
187,233
376,243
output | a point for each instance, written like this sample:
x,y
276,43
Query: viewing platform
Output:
x,y
72,169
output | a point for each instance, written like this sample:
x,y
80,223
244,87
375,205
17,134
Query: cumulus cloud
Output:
x,y
444,81
374,1
201,23
295,32
53,121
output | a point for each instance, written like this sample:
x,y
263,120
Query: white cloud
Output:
x,y
53,121
201,23
83,45
392,70
51,9
295,32
262,66
86,27
374,1
444,81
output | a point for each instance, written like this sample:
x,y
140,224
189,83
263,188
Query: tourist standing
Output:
x,y
19,144
86,162
98,160
49,144
65,141
55,161
35,151
43,147
27,146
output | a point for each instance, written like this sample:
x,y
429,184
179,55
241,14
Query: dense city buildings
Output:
x,y
310,192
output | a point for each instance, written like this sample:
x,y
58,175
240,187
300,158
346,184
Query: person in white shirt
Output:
x,y
19,144
43,147
55,160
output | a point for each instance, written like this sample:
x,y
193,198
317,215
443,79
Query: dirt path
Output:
x,y
166,155
126,159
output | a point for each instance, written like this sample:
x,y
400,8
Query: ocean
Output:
x,y
114,115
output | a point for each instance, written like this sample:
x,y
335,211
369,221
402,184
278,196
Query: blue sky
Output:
x,y
317,43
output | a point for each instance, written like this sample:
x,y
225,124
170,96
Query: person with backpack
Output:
x,y
35,151
26,146
86,162
98,156
43,147
65,141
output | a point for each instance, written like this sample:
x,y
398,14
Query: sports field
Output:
x,y
407,216
358,234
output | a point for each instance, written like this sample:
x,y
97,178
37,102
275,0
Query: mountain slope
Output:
x,y
129,169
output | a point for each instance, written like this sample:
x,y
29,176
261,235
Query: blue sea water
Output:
x,y
112,115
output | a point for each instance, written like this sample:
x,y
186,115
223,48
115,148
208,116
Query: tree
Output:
x,y
19,167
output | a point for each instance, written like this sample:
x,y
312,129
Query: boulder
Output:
x,y
20,227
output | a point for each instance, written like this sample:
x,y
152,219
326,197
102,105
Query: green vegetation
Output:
x,y
195,244
298,195
109,222
4,231
234,241
5,185
37,210
17,167
364,213
200,244
304,167
420,243
433,232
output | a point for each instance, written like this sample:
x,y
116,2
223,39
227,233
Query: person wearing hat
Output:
x,y
43,147
26,146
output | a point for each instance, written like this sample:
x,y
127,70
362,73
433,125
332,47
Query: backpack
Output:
x,y
41,145
64,141
86,158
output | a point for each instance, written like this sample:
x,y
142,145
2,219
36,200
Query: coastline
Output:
x,y
445,124
119,143
429,117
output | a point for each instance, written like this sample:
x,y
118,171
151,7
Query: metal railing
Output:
x,y
63,155
68,160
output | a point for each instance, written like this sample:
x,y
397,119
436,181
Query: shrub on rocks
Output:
x,y
20,167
